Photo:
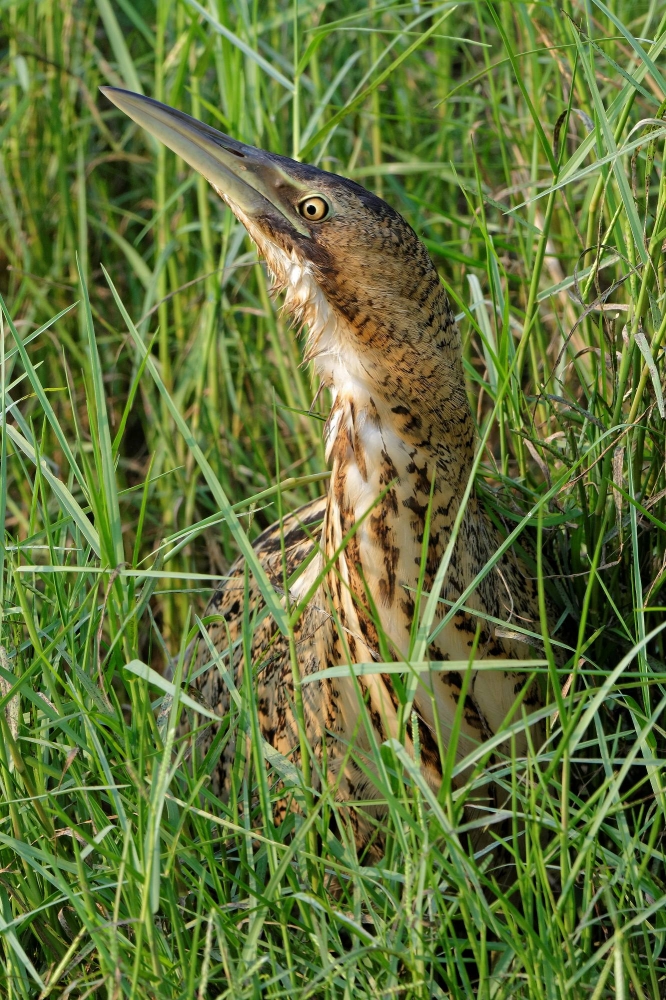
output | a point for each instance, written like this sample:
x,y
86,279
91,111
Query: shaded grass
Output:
x,y
144,429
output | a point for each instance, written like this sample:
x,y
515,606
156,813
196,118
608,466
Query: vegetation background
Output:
x,y
525,143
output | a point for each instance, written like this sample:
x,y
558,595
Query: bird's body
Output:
x,y
400,442
397,422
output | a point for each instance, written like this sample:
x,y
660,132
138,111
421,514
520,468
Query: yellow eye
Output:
x,y
315,208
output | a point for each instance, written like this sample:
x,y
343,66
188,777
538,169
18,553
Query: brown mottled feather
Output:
x,y
381,335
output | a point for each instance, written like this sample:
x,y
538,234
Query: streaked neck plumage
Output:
x,y
392,438
400,424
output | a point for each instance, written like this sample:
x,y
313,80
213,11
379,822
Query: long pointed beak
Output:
x,y
247,177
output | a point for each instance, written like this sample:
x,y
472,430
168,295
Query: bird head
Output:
x,y
354,273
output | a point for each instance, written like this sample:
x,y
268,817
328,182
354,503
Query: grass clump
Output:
x,y
525,142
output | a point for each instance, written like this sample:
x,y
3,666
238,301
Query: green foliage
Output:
x,y
153,398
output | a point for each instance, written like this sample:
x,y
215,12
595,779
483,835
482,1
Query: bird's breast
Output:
x,y
376,517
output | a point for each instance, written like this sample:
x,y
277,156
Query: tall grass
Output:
x,y
152,399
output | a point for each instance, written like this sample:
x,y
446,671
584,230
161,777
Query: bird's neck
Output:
x,y
386,462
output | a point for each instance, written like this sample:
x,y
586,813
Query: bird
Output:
x,y
400,438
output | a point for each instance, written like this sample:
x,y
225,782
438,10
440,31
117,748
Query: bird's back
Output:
x,y
282,549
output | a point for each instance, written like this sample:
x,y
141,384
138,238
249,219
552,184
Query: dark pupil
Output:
x,y
312,209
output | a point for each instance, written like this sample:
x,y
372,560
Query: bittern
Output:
x,y
400,440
